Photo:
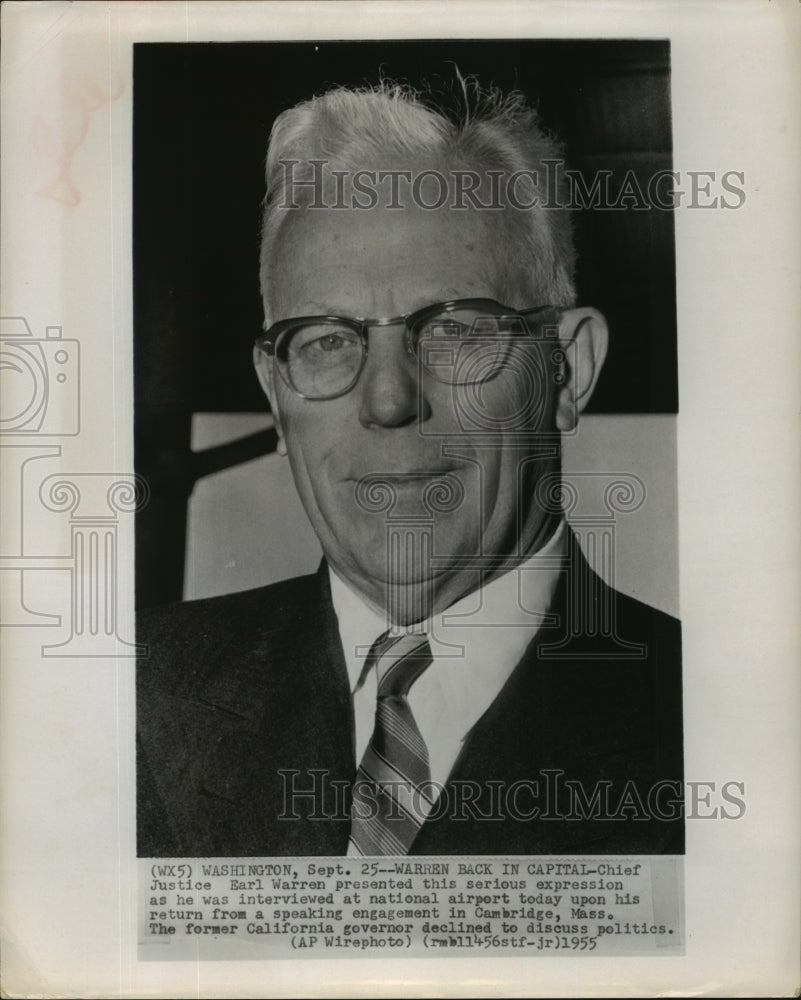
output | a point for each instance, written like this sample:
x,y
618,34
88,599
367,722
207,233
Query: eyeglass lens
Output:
x,y
461,345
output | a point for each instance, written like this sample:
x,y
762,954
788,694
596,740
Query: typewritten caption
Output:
x,y
328,907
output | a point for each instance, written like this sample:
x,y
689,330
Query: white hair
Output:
x,y
352,128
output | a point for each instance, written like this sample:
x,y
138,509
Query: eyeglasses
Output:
x,y
460,342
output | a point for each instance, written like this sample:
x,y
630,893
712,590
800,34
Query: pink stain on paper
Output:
x,y
57,142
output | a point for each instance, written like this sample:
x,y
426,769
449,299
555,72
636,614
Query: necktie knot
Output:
x,y
400,660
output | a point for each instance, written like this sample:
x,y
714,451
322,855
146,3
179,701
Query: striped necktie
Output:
x,y
394,773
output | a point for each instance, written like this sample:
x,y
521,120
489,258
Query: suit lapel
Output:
x,y
284,734
571,709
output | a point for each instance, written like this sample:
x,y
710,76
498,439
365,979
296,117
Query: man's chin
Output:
x,y
397,575
400,574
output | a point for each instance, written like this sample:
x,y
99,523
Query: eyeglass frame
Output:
x,y
266,342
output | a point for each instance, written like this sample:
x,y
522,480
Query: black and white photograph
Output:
x,y
439,295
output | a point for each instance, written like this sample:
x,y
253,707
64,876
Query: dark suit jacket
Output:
x,y
245,697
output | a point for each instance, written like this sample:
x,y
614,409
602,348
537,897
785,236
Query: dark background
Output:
x,y
202,116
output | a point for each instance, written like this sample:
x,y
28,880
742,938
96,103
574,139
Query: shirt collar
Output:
x,y
507,611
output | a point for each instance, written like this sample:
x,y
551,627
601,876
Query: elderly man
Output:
x,y
454,679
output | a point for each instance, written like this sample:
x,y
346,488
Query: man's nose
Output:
x,y
392,394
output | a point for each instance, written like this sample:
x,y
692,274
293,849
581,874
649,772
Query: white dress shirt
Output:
x,y
476,644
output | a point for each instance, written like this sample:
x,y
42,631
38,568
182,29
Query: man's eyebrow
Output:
x,y
448,294
313,307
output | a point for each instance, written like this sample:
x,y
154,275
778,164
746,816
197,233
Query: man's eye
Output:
x,y
329,342
446,328
317,341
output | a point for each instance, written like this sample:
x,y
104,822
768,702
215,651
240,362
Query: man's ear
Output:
x,y
587,332
265,370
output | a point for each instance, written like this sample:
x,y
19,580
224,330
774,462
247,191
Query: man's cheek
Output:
x,y
305,434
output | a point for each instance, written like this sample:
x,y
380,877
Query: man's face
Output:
x,y
401,425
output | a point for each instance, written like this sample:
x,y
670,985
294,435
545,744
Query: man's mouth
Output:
x,y
418,474
415,472
437,490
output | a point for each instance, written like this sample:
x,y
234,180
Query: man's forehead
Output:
x,y
358,262
393,222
